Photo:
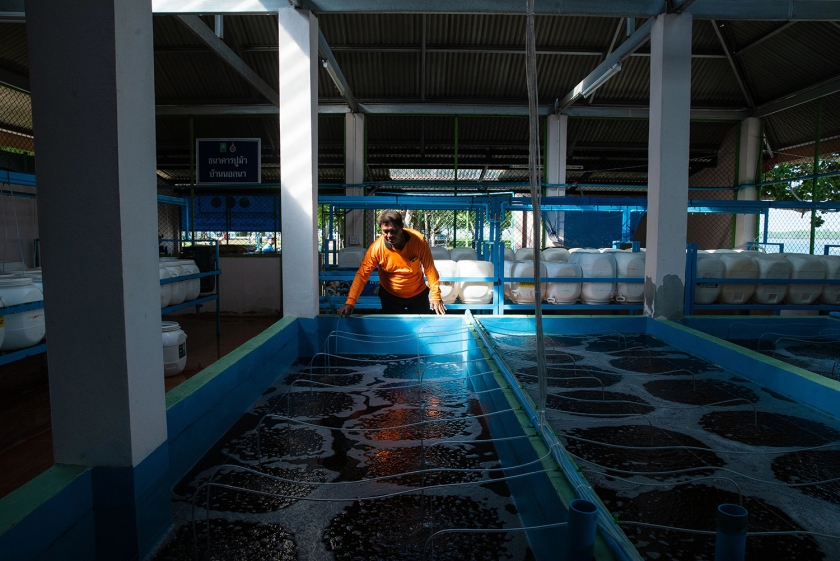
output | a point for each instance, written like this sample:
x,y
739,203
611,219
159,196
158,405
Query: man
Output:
x,y
401,255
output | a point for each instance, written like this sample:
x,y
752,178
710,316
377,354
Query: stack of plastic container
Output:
x,y
805,267
472,292
831,292
595,264
448,289
23,329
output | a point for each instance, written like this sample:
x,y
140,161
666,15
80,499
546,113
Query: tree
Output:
x,y
821,190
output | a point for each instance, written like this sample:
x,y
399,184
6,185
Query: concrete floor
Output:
x,y
25,433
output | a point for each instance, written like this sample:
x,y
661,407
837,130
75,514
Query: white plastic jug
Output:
x,y
555,254
523,291
179,289
737,266
448,289
708,267
771,266
831,292
174,348
463,254
440,252
525,254
509,254
562,292
472,292
805,267
629,265
595,264
193,286
508,272
165,289
22,329
350,257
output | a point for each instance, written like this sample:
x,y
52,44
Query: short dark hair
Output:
x,y
392,217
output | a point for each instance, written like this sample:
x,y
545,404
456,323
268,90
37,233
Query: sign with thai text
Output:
x,y
228,160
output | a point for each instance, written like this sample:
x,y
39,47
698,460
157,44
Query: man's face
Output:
x,y
392,233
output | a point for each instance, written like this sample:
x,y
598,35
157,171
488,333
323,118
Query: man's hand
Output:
x,y
438,307
346,310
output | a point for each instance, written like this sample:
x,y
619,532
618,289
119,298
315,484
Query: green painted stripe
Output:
x,y
23,501
554,472
193,384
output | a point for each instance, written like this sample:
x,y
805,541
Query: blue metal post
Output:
x,y
690,277
766,224
626,221
731,537
580,539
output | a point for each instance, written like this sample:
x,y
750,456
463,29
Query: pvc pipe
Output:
x,y
731,537
580,539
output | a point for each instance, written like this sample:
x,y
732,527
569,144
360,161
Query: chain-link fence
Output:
x,y
17,145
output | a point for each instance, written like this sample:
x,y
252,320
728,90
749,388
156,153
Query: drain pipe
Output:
x,y
731,535
612,534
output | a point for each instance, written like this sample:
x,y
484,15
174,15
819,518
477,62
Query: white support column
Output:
x,y
354,174
92,80
555,164
298,43
749,151
670,111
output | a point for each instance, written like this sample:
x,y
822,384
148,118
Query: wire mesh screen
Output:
x,y
802,163
17,146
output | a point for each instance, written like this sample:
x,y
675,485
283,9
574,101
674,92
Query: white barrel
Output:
x,y
562,292
2,324
523,291
179,289
174,348
441,253
475,292
595,264
709,266
509,254
771,266
805,267
525,254
193,285
629,265
508,272
165,289
463,254
351,257
36,276
831,292
737,266
448,289
555,254
23,329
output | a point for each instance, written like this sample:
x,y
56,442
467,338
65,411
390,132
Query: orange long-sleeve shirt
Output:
x,y
400,271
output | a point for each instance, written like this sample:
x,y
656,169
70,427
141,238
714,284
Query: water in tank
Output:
x,y
555,254
595,264
805,267
562,292
709,266
629,265
525,254
472,292
831,292
737,266
22,329
448,289
350,257
441,253
463,254
771,266
523,291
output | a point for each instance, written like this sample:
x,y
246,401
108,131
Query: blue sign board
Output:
x,y
228,160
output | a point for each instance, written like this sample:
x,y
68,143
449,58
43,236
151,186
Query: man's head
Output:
x,y
391,224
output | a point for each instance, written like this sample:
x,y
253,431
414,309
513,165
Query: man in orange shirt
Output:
x,y
402,256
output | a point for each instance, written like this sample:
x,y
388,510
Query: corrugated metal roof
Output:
x,y
14,54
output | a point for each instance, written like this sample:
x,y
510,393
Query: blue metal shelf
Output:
x,y
13,356
199,301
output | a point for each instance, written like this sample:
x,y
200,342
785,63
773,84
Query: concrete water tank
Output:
x,y
831,292
555,254
737,266
595,264
629,265
22,329
174,348
463,254
475,292
805,267
448,289
562,292
440,253
350,257
709,266
523,291
771,266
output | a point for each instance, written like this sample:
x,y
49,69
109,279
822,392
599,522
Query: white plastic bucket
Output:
x,y
562,292
629,265
831,292
737,266
351,257
193,286
448,289
805,267
523,291
555,254
709,266
174,348
22,329
595,264
771,266
475,292
441,253
463,254
525,254
179,289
